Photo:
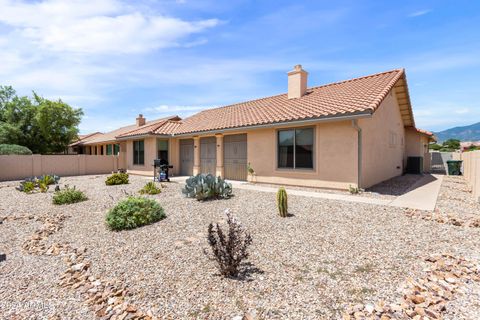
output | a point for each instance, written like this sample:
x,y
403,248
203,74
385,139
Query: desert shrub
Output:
x,y
206,186
26,186
134,212
6,149
229,249
68,195
49,179
354,189
117,178
41,184
282,202
150,188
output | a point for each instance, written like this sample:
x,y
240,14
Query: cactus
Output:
x,y
206,186
282,202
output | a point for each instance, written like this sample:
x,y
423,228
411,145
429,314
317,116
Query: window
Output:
x,y
116,149
295,148
162,149
138,152
109,149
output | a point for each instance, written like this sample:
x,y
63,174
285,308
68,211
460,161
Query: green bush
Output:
x,y
6,149
206,186
30,185
27,186
117,178
150,188
68,195
134,212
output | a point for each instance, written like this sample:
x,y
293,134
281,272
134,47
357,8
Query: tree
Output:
x,y
42,125
453,144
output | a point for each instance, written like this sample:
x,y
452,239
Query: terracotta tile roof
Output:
x,y
428,133
112,135
82,138
160,126
359,95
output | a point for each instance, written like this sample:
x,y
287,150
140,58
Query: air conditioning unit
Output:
x,y
414,165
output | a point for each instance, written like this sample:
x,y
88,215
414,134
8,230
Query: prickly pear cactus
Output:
x,y
282,202
206,186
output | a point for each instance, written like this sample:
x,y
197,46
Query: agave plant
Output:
x,y
206,186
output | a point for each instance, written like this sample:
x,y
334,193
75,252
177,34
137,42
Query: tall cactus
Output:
x,y
282,202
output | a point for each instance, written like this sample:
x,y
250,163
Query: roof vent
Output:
x,y
297,82
140,120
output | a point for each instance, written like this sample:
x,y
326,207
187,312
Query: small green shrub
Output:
x,y
27,186
206,186
68,196
6,149
150,188
282,202
354,189
30,185
49,179
116,179
134,212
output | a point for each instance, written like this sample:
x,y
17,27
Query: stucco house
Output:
x,y
354,132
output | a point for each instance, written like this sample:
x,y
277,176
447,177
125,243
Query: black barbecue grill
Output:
x,y
160,170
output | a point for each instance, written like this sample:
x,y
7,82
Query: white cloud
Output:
x,y
419,13
104,26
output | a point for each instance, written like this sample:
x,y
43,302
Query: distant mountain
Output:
x,y
466,133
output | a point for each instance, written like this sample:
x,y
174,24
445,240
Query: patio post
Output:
x,y
196,155
219,167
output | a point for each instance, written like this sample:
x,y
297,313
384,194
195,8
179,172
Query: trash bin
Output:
x,y
454,167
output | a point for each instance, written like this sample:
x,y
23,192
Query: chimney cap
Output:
x,y
296,69
140,115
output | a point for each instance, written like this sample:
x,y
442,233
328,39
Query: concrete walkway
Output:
x,y
421,196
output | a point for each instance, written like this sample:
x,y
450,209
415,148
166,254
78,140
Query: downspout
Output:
x,y
359,153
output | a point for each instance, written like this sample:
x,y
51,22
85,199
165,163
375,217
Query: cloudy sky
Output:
x,y
116,59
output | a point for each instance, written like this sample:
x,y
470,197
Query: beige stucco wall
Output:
x,y
382,159
15,167
150,147
335,157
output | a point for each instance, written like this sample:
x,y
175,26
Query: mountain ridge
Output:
x,y
462,133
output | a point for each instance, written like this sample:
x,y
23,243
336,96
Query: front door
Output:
x,y
186,157
235,156
208,155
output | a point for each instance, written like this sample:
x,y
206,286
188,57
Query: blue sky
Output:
x,y
116,59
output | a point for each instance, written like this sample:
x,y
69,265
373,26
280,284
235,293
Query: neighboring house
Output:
x,y
354,132
465,145
77,146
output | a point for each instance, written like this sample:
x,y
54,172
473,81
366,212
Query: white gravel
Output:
x,y
329,255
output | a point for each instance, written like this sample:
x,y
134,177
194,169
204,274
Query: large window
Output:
x,y
109,149
138,152
116,149
295,148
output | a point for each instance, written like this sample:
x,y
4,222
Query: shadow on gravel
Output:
x,y
247,271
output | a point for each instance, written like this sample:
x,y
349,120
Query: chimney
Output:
x,y
297,82
140,120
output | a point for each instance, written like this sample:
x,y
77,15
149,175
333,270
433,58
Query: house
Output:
x,y
354,132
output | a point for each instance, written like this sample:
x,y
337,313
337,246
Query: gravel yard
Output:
x,y
329,255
